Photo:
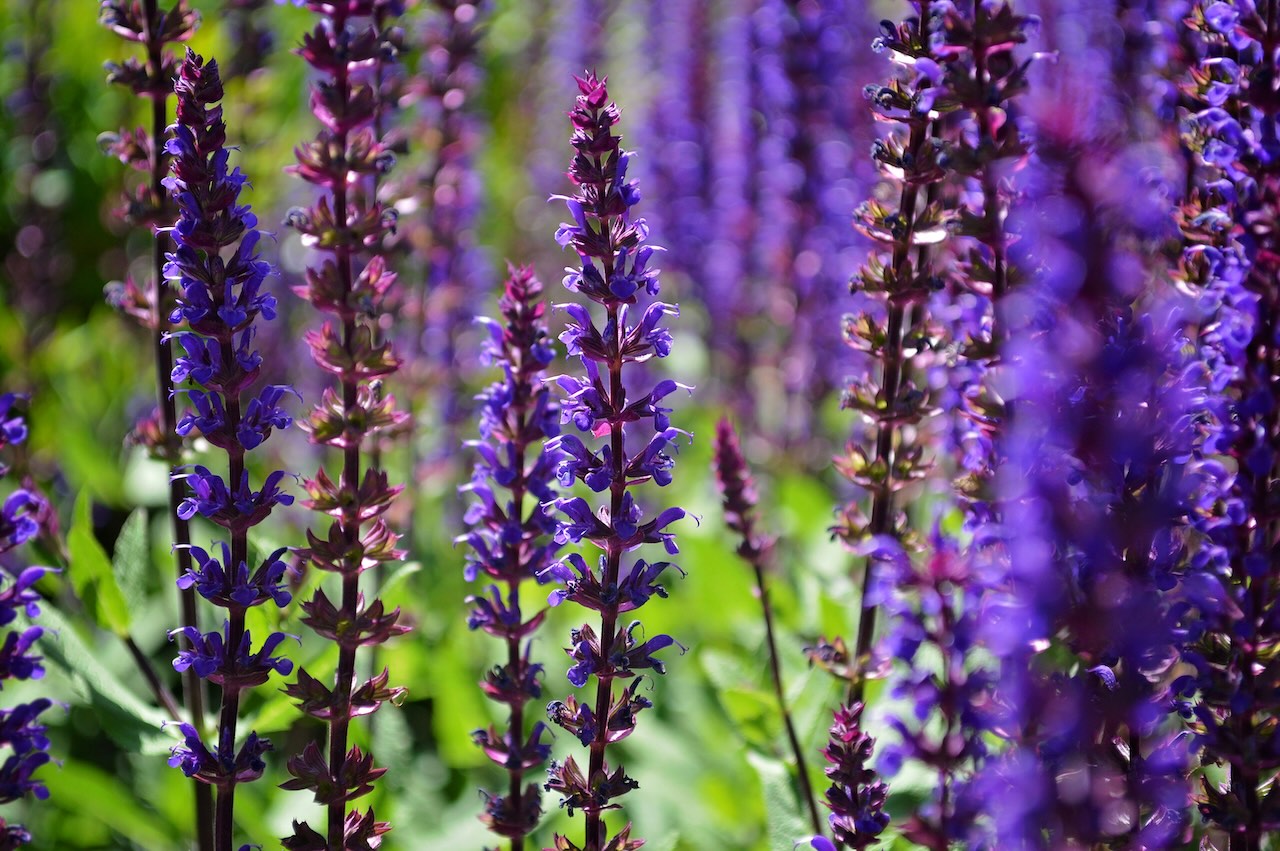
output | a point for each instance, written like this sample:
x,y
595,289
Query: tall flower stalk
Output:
x,y
615,274
346,222
151,77
935,602
1093,484
738,494
20,730
215,262
511,539
1229,261
891,290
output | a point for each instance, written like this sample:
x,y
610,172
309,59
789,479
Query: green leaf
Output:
x,y
398,577
100,796
131,559
135,725
91,574
786,822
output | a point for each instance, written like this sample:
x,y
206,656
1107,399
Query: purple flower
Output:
x,y
856,797
223,766
1229,616
13,426
1092,487
212,579
886,454
244,668
20,729
509,542
615,274
216,265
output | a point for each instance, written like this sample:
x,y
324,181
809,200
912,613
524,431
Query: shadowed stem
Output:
x,y
193,694
224,821
756,560
738,496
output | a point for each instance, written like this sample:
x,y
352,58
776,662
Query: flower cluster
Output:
x,y
511,537
856,796
20,729
1229,265
1106,398
934,602
346,221
615,273
811,176
148,205
221,276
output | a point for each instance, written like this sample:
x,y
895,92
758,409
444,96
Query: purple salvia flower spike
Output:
x,y
1092,482
20,729
348,50
1232,612
892,289
738,495
213,223
856,796
934,601
445,194
610,241
511,538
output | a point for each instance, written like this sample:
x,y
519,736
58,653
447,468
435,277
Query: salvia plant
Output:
x,y
21,732
1228,263
512,538
615,274
889,326
216,264
1085,619
738,497
351,284
934,603
1049,595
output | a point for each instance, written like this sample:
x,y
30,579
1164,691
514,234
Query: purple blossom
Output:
x,y
1230,616
615,273
447,194
886,453
20,729
509,542
1092,488
220,299
856,797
